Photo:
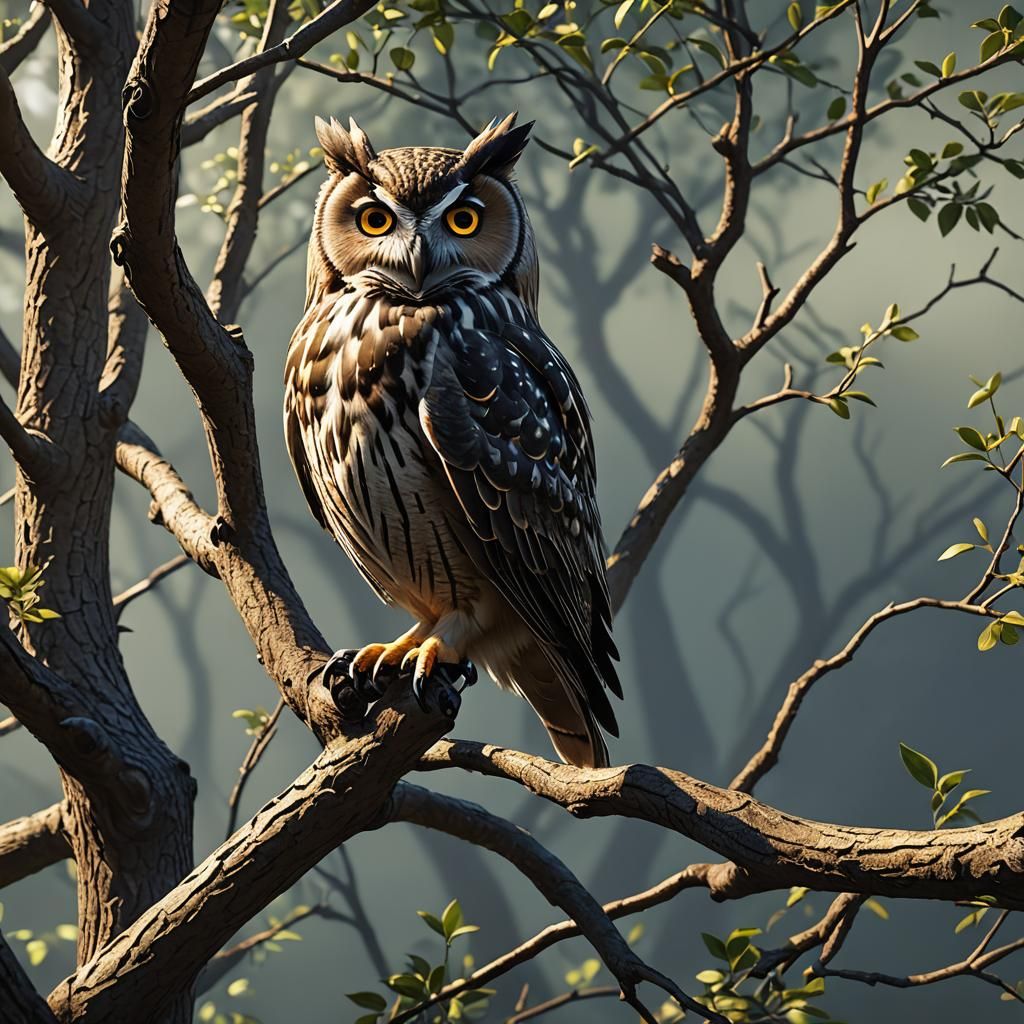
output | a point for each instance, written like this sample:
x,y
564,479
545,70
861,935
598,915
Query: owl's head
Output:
x,y
419,221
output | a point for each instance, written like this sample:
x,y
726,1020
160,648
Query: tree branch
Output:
x,y
29,844
39,185
548,874
344,792
144,586
16,49
18,995
332,18
771,849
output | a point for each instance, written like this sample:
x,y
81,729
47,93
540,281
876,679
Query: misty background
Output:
x,y
799,527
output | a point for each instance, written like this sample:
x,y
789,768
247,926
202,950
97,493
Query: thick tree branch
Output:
x,y
344,792
547,873
39,185
21,1002
770,848
29,844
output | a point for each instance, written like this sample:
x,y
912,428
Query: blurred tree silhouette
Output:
x,y
756,102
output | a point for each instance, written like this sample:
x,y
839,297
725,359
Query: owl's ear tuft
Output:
x,y
345,151
497,148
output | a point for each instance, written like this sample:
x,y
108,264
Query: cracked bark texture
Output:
x,y
127,813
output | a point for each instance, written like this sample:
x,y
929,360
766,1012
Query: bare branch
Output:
x,y
696,876
226,288
198,125
144,586
256,750
228,959
547,873
770,849
333,17
30,450
768,755
29,844
9,725
18,995
566,998
819,933
15,50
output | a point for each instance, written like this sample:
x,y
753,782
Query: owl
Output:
x,y
440,437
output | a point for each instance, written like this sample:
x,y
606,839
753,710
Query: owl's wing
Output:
x,y
507,417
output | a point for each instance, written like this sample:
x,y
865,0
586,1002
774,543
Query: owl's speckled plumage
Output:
x,y
441,437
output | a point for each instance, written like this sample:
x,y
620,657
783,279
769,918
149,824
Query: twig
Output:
x,y
136,590
547,873
256,751
333,17
573,996
9,725
767,756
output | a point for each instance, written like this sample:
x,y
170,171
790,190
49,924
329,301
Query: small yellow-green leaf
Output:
x,y
875,190
621,11
948,65
982,529
953,550
795,15
239,987
989,637
67,932
36,950
1014,618
403,58
876,907
710,977
836,108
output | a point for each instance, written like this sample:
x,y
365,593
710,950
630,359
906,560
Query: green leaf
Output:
x,y
621,11
982,529
466,929
988,216
949,217
950,781
402,58
795,15
239,987
840,408
406,985
431,922
930,68
710,977
991,45
953,550
635,933
904,333
971,437
921,767
950,150
548,11
1014,618
859,396
989,637
919,208
876,907
973,99
716,947
948,65
710,49
836,108
36,951
451,918
67,932
875,190
796,894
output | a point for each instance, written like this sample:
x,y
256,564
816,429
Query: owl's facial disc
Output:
x,y
469,236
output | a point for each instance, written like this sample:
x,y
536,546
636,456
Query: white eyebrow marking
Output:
x,y
365,201
439,207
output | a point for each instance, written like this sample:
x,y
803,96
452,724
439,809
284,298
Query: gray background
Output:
x,y
799,527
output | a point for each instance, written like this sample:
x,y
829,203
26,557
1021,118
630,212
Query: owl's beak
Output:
x,y
417,262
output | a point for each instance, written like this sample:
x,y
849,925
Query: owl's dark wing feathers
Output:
x,y
507,417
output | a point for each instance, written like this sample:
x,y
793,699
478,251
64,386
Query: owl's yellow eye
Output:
x,y
463,220
375,220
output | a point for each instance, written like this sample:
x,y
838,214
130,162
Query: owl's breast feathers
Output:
x,y
467,411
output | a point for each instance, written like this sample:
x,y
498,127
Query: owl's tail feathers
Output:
x,y
561,707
